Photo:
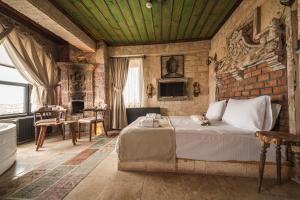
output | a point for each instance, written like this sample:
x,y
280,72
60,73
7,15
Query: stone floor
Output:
x,y
89,171
105,182
53,171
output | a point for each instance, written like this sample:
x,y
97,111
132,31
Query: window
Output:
x,y
14,89
133,91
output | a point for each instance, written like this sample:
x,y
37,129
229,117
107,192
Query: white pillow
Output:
x,y
216,110
272,113
247,114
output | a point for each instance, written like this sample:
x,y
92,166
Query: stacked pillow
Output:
x,y
215,110
253,114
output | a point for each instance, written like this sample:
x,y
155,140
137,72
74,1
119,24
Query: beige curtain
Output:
x,y
34,63
119,71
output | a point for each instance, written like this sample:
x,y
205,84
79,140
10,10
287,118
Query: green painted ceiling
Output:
x,y
120,22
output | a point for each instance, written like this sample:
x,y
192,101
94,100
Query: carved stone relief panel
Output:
x,y
243,51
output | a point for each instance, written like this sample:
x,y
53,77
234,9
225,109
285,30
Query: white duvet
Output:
x,y
218,142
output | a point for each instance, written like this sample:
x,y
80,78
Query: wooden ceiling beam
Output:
x,y
131,15
152,22
22,19
187,24
48,16
124,19
199,19
161,19
171,17
207,16
180,17
96,23
144,23
114,19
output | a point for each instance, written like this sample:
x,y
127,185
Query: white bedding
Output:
x,y
218,142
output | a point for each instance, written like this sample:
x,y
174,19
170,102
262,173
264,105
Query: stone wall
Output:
x,y
243,14
259,79
195,62
70,54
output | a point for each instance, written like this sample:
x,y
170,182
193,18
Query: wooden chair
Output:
x,y
48,114
97,117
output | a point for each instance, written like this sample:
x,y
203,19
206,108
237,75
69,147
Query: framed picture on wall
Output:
x,y
172,66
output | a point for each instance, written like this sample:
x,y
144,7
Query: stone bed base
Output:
x,y
228,168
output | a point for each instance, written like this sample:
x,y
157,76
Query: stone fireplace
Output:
x,y
77,87
77,106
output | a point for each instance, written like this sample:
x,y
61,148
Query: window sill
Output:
x,y
14,116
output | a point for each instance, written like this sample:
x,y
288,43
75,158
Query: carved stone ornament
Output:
x,y
242,51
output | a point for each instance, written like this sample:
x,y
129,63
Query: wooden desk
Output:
x,y
277,138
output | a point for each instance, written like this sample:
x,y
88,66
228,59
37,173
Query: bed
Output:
x,y
227,146
217,142
181,137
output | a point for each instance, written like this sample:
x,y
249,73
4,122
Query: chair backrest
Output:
x,y
49,112
62,111
97,112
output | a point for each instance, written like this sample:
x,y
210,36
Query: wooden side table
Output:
x,y
277,138
72,125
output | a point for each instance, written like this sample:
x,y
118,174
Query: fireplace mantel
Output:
x,y
73,66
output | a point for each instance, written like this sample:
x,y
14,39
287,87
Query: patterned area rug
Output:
x,y
57,183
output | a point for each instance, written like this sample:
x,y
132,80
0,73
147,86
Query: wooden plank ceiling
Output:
x,y
120,22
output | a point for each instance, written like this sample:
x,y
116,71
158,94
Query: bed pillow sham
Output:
x,y
216,110
271,116
246,114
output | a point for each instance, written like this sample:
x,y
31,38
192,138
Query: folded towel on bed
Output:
x,y
149,122
153,115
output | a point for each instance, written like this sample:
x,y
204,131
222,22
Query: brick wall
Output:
x,y
258,80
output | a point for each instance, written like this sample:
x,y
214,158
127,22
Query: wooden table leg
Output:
x,y
63,131
262,164
41,137
44,136
278,163
73,133
36,134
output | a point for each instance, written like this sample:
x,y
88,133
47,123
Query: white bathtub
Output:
x,y
8,146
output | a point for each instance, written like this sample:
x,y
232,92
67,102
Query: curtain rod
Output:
x,y
129,56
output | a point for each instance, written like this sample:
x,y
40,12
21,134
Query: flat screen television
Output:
x,y
174,89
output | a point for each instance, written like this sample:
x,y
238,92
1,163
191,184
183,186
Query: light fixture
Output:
x,y
149,4
287,2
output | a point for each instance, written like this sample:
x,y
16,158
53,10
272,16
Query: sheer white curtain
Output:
x,y
133,91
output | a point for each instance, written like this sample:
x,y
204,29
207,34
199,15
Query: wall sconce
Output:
x,y
214,61
211,59
149,90
298,47
196,86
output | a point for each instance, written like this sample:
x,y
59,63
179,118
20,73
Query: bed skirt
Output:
x,y
225,168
